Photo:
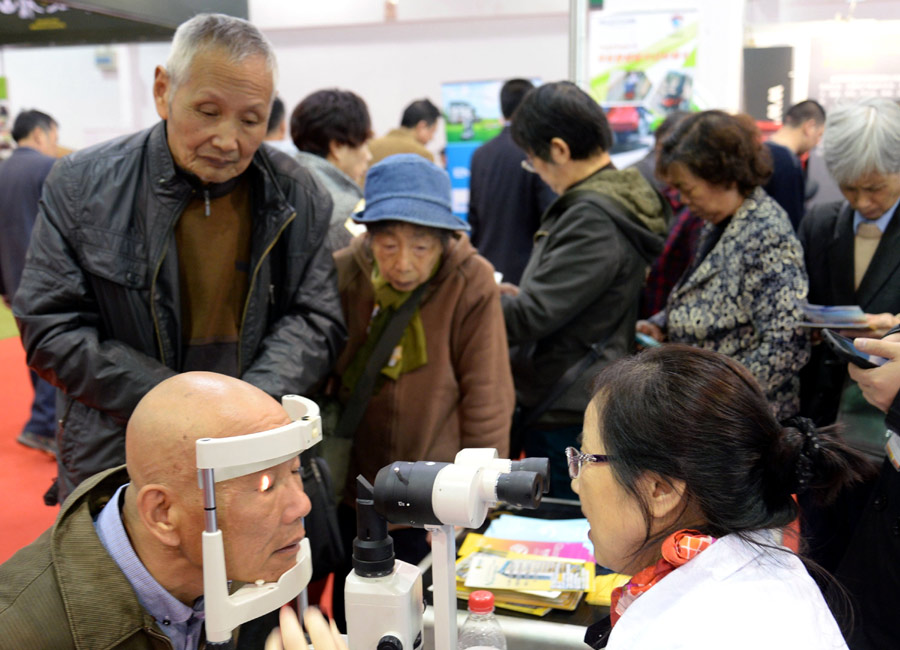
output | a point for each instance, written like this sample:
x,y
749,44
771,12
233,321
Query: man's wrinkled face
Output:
x,y
216,117
261,520
872,194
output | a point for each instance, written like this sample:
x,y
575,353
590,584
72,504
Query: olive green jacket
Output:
x,y
65,591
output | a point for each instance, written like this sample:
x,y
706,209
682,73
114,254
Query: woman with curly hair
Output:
x,y
740,295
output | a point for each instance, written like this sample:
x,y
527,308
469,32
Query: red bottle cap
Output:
x,y
481,602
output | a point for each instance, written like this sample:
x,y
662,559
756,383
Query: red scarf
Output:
x,y
677,549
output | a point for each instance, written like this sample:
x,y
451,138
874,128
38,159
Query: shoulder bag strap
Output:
x,y
390,337
568,378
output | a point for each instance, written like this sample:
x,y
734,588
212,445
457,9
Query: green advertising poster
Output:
x,y
641,67
6,142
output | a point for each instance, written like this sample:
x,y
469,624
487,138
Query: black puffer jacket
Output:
x,y
98,305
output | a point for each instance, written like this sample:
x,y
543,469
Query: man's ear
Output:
x,y
335,151
40,138
162,86
159,514
663,496
559,151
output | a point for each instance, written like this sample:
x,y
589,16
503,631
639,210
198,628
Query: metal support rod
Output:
x,y
208,477
578,17
443,551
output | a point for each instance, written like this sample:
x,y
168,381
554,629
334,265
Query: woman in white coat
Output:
x,y
683,474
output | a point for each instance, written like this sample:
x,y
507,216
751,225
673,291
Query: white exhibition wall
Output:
x,y
391,64
388,64
349,44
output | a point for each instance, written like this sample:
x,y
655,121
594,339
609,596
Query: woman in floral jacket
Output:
x,y
740,296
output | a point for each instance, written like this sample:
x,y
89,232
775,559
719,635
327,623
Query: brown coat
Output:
x,y
463,397
396,141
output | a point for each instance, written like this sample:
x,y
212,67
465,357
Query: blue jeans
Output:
x,y
43,408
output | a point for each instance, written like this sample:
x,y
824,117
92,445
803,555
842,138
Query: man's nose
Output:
x,y
226,136
863,202
298,505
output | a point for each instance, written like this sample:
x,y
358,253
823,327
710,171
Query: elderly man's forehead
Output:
x,y
869,180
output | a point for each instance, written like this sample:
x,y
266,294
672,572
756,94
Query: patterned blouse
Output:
x,y
743,300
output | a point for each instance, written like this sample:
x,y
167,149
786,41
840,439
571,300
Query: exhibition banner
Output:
x,y
768,82
472,116
6,120
854,67
641,67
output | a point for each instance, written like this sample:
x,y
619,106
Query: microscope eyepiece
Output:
x,y
520,489
539,465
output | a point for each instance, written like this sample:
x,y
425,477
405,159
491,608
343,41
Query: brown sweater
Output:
x,y
397,141
463,397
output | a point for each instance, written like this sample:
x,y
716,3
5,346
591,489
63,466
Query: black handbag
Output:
x,y
321,523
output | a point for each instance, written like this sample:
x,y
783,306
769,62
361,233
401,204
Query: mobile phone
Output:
x,y
646,340
844,349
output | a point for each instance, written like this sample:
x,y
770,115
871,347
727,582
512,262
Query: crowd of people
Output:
x,y
179,278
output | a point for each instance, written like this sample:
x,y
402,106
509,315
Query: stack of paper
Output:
x,y
532,565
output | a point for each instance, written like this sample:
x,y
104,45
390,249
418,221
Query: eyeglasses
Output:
x,y
578,459
528,167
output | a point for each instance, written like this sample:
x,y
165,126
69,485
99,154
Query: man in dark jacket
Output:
x,y
122,567
182,247
870,568
576,306
21,180
802,130
505,201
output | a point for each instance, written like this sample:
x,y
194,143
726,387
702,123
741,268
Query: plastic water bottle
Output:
x,y
481,631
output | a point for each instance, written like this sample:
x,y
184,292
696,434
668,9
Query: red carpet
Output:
x,y
25,474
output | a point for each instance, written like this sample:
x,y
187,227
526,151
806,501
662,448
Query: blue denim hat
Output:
x,y
408,188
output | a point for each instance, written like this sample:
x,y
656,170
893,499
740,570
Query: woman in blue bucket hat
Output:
x,y
447,382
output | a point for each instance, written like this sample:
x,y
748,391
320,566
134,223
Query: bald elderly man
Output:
x,y
122,566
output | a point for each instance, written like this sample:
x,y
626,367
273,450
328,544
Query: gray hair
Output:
x,y
236,37
863,138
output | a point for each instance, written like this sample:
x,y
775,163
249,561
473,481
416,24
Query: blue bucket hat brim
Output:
x,y
408,188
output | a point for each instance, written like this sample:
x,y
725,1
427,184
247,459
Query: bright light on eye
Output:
x,y
264,483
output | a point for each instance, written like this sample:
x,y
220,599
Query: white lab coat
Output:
x,y
733,595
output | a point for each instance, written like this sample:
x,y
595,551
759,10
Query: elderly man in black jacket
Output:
x,y
183,247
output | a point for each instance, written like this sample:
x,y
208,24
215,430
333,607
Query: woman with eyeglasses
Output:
x,y
683,475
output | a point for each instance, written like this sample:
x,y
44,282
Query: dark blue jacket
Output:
x,y
787,185
505,205
21,179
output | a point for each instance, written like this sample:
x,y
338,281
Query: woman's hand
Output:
x,y
323,634
878,323
879,385
507,289
648,328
